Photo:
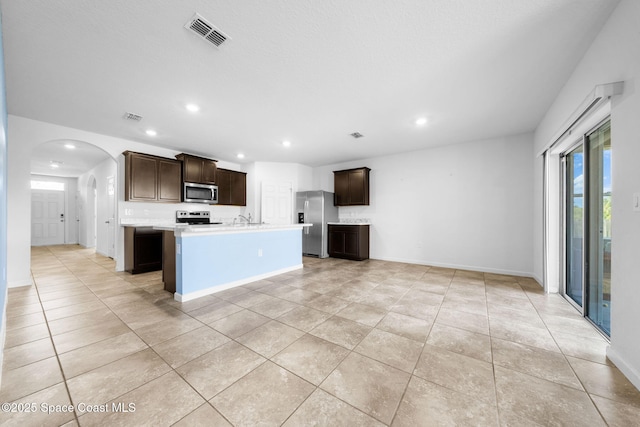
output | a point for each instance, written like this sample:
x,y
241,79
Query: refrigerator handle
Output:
x,y
306,205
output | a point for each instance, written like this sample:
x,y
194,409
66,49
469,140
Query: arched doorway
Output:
x,y
91,176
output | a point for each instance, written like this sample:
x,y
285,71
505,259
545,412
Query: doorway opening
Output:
x,y
90,176
47,213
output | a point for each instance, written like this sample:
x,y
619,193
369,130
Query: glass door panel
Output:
x,y
574,211
599,254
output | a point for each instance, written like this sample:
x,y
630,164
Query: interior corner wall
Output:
x,y
467,206
611,58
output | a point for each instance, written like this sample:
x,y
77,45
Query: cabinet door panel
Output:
x,y
224,187
238,187
341,188
351,242
208,172
192,169
169,182
143,184
336,242
357,188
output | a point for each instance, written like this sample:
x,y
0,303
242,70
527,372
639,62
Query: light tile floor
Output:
x,y
337,343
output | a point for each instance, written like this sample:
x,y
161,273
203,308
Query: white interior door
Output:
x,y
111,209
277,202
47,217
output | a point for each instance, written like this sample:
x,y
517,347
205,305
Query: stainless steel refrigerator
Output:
x,y
315,207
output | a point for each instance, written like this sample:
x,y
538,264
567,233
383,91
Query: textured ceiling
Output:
x,y
310,72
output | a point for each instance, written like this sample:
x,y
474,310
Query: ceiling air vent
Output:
x,y
206,31
132,116
356,135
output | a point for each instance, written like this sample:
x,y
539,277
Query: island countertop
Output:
x,y
201,229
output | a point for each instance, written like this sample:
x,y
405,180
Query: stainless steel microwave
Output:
x,y
200,193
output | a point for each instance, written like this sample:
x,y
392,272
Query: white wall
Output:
x,y
100,173
613,56
70,205
463,206
300,177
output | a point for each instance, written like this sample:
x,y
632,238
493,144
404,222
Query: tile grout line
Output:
x,y
569,364
55,350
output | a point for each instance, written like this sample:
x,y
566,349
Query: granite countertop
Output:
x,y
348,223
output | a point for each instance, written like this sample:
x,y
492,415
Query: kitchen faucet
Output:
x,y
245,218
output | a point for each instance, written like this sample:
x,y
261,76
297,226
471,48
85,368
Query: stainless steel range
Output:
x,y
195,217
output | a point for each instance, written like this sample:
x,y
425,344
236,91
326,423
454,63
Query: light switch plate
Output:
x,y
636,202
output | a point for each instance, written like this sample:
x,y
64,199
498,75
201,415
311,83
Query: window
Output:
x,y
47,185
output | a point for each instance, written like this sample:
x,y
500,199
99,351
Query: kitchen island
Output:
x,y
211,258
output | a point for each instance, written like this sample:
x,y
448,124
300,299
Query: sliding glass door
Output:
x,y
574,220
599,256
587,225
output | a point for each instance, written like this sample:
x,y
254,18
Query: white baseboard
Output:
x,y
629,371
20,283
218,288
460,267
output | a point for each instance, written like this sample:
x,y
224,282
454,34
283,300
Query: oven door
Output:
x,y
200,193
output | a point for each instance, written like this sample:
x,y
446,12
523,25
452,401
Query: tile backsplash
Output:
x,y
134,213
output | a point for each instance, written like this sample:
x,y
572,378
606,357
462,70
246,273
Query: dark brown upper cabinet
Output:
x,y
232,187
351,187
151,178
197,169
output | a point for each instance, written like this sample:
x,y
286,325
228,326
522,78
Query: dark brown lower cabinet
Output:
x,y
349,241
169,261
142,249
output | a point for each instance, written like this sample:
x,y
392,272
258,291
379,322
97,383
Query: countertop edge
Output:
x,y
198,230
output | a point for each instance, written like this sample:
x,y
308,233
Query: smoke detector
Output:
x,y
206,30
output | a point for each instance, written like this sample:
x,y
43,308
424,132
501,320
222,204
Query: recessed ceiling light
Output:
x,y
421,121
240,156
55,164
192,107
69,146
286,143
151,132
